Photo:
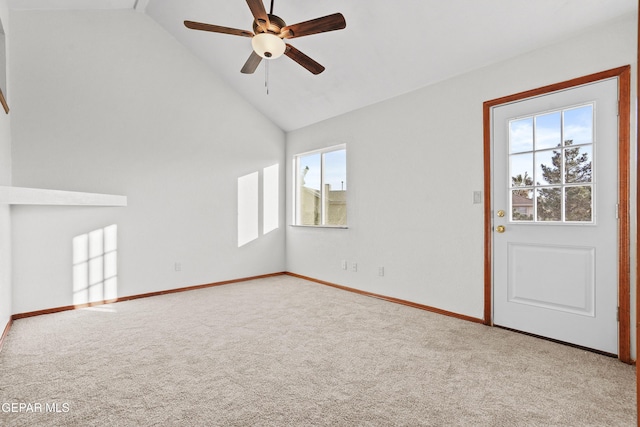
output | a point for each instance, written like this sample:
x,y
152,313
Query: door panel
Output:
x,y
554,215
573,267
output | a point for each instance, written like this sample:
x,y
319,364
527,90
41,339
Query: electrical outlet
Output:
x,y
344,264
354,266
177,266
381,271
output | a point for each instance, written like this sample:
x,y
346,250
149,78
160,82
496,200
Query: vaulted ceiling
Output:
x,y
387,48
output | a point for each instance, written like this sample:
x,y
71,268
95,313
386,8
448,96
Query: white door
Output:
x,y
555,215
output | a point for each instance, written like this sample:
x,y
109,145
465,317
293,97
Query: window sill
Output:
x,y
340,227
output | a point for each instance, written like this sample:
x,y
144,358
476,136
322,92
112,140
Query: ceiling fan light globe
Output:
x,y
268,45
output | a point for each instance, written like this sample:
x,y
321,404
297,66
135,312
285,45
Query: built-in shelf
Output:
x,y
40,196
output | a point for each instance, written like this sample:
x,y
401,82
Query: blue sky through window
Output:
x,y
335,170
578,125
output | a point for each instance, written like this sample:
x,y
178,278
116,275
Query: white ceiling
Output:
x,y
388,47
71,4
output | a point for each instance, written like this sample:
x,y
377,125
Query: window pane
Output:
x,y
578,125
309,190
548,133
521,135
521,169
578,164
549,204
335,181
578,204
548,167
321,187
522,205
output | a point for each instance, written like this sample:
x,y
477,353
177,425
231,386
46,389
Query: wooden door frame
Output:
x,y
637,210
624,105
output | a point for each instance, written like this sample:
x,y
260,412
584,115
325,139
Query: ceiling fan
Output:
x,y
269,32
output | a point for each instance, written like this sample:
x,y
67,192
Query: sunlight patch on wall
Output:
x,y
270,198
95,267
247,208
249,204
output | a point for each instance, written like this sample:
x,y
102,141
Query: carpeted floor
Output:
x,y
282,351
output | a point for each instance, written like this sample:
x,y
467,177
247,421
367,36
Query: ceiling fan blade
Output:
x,y
259,13
251,64
303,60
217,29
315,26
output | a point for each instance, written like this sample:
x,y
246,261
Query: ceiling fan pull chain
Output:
x,y
266,76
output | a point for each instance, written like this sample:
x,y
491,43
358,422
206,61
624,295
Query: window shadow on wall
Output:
x,y
95,266
249,204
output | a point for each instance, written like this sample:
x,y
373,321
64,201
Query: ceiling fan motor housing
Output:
x,y
268,42
276,24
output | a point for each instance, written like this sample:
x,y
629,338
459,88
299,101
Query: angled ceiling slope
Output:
x,y
75,4
388,48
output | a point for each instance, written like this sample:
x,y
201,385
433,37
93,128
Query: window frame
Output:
x,y
296,186
563,185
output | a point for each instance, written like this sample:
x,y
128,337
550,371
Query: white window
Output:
x,y
321,187
551,166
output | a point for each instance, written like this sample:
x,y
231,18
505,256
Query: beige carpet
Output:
x,y
286,352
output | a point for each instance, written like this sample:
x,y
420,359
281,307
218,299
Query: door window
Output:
x,y
551,166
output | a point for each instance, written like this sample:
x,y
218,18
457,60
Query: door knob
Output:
x,y
500,229
500,213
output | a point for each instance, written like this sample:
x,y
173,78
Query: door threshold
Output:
x,y
591,350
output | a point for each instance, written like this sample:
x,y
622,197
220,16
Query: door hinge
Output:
x,y
617,211
618,314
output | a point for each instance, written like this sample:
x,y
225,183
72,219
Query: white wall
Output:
x,y
108,102
5,217
413,164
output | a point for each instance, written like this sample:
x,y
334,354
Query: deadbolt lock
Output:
x,y
500,213
500,229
